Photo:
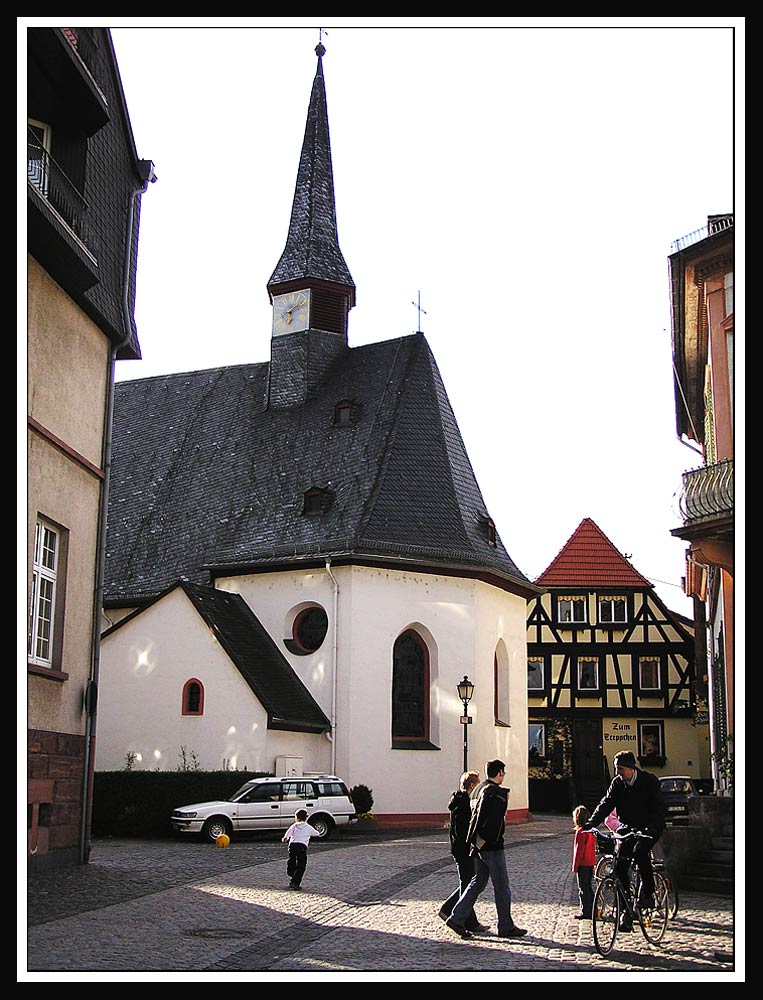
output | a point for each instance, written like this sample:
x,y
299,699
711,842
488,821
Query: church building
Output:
x,y
300,566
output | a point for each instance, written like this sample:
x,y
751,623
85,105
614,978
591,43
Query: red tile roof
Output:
x,y
589,559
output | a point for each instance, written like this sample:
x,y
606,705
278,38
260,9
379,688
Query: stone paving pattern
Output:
x,y
368,905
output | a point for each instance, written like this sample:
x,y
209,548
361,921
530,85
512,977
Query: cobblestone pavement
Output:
x,y
171,910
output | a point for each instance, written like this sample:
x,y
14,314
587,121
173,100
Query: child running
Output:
x,y
298,836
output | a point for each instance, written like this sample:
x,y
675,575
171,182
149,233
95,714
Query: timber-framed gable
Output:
x,y
609,667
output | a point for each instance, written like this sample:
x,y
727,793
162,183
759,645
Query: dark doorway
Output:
x,y
588,775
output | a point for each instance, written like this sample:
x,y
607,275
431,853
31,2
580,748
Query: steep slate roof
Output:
x,y
281,693
589,559
210,469
205,475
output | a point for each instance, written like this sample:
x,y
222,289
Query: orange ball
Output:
x,y
223,840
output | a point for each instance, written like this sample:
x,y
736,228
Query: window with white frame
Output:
x,y
651,739
42,602
536,740
588,673
649,673
536,680
571,608
612,609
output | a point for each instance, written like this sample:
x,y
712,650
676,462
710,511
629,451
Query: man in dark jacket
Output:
x,y
460,808
485,838
636,797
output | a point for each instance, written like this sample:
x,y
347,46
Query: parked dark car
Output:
x,y
678,790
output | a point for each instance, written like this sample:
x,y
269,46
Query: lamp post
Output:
x,y
465,692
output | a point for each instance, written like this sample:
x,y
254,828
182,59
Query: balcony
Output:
x,y
53,184
715,224
57,221
707,495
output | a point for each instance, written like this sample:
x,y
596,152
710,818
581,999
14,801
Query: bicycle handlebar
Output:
x,y
616,835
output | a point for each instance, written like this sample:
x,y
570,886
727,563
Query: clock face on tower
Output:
x,y
291,312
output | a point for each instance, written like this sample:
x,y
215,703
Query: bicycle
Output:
x,y
612,901
659,866
605,866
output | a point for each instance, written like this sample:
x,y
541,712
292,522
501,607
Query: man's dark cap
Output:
x,y
625,759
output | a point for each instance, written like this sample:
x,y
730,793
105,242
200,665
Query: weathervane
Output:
x,y
320,48
418,307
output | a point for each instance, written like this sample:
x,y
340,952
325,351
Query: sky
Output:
x,y
522,178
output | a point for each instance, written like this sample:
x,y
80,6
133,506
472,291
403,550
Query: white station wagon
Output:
x,y
270,804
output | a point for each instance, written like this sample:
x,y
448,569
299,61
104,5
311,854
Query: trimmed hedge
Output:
x,y
139,803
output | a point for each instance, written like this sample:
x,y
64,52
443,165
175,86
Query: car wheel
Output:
x,y
323,825
214,827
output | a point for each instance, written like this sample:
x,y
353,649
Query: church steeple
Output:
x,y
311,287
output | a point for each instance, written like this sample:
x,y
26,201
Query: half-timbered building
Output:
x,y
609,668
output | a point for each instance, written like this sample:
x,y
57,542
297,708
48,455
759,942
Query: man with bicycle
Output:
x,y
636,796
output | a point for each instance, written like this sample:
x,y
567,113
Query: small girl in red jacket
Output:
x,y
583,861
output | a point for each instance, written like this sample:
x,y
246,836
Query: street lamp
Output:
x,y
465,692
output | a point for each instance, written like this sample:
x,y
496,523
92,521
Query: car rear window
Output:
x,y
331,788
676,785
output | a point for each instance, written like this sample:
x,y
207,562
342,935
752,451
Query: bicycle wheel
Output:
x,y
606,915
655,919
672,888
605,866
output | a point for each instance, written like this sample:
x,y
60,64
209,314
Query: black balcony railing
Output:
x,y
44,174
708,492
715,224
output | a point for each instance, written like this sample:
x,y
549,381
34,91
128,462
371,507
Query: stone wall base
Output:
x,y
55,769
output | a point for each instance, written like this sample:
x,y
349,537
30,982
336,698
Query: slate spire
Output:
x,y
312,245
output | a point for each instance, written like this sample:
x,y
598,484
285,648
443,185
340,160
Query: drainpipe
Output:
x,y
147,175
334,651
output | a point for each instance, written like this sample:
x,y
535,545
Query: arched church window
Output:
x,y
410,688
193,697
501,687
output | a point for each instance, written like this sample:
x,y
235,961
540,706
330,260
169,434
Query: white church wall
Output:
x,y
503,621
274,598
144,666
462,621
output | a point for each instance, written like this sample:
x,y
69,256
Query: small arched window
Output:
x,y
193,697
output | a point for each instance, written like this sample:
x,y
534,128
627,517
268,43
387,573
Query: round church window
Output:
x,y
309,629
